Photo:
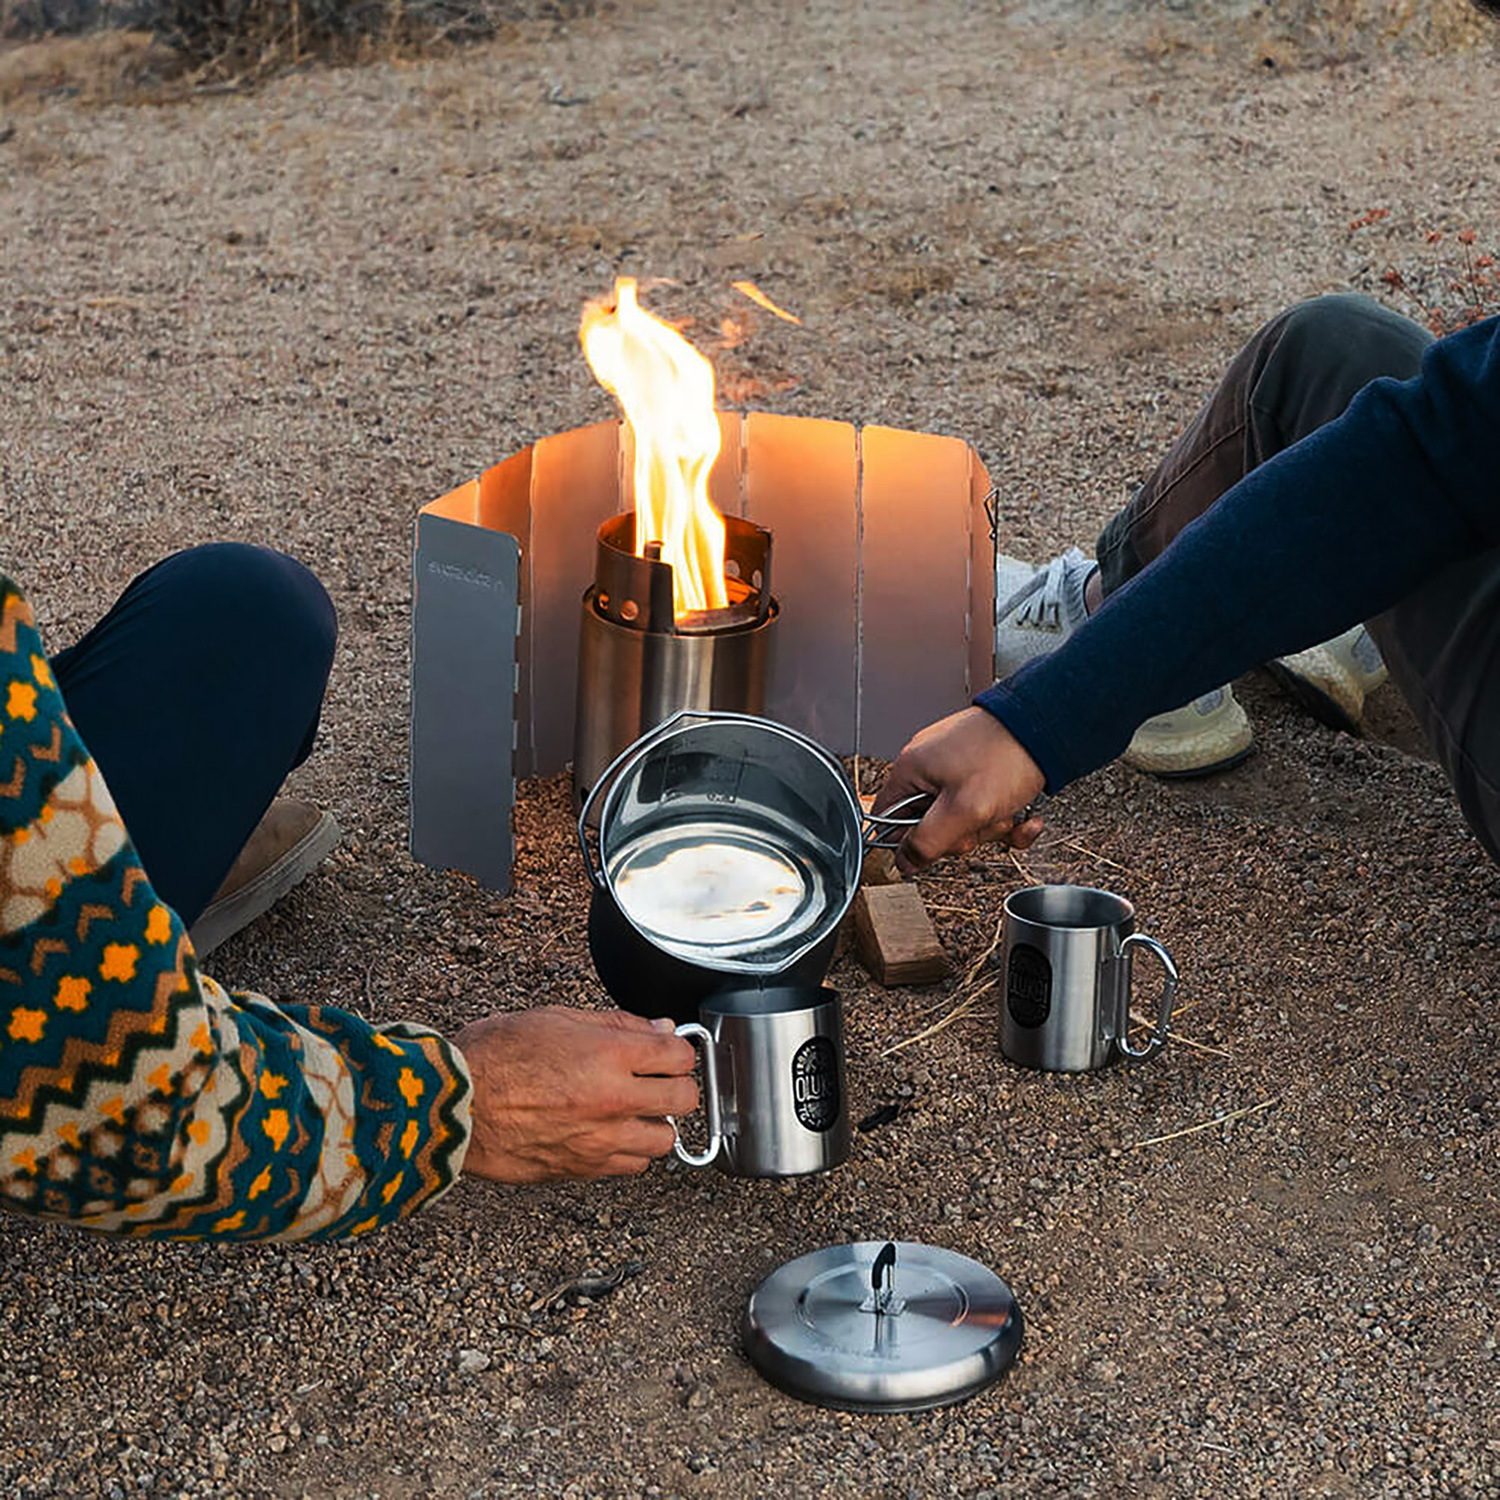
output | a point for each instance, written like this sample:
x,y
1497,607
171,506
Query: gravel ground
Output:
x,y
296,315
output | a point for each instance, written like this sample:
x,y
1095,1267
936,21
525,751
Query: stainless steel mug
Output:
x,y
1066,974
775,1092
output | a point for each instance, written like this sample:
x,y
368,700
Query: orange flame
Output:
x,y
666,388
759,298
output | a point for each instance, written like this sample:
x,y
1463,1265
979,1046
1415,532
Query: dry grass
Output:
x,y
257,37
99,50
102,67
102,50
1297,34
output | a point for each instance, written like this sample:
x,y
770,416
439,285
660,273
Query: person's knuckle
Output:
x,y
610,1099
923,838
974,806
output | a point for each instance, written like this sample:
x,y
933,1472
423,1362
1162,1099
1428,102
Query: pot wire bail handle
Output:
x,y
607,778
696,1033
647,741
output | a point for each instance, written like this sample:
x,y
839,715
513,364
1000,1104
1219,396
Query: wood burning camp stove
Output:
x,y
638,664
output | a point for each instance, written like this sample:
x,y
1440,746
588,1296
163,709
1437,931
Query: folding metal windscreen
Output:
x,y
884,571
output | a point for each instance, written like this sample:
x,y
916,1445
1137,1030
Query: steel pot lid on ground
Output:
x,y
882,1325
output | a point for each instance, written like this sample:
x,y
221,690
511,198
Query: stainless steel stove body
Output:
x,y
637,665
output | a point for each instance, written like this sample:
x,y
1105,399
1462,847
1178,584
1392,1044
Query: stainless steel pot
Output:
x,y
729,846
727,841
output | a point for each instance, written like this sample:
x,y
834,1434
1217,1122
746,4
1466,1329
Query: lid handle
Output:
x,y
883,1278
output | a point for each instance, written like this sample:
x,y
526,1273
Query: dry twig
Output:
x,y
968,994
1092,853
1141,1022
964,1005
1239,1114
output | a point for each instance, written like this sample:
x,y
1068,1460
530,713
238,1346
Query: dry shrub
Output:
x,y
1300,34
101,67
1314,31
1452,289
251,38
1452,282
28,18
260,35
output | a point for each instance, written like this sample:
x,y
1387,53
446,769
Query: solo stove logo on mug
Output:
x,y
815,1084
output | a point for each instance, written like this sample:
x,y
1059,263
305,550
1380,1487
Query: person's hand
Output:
x,y
573,1093
981,777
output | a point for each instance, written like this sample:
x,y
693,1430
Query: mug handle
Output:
x,y
1164,1006
696,1033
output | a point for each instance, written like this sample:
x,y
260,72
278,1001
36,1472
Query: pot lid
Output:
x,y
882,1326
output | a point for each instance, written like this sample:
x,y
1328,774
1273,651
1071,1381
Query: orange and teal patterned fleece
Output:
x,y
138,1097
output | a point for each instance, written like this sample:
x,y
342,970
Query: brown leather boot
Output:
x,y
287,845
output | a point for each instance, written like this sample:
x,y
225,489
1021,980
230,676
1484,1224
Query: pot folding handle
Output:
x,y
887,829
696,1033
1164,1005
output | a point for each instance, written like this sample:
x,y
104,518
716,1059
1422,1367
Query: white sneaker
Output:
x,y
1209,734
1037,609
1331,681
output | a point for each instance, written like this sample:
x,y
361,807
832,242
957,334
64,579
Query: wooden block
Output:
x,y
880,868
894,937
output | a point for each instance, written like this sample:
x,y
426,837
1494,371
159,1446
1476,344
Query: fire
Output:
x,y
666,388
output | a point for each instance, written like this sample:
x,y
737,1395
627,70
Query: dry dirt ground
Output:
x,y
295,314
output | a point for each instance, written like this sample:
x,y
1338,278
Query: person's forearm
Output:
x,y
139,1097
1330,532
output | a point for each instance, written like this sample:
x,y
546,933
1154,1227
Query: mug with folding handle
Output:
x,y
775,1091
1066,972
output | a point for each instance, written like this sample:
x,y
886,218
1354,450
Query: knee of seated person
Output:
x,y
259,592
1355,336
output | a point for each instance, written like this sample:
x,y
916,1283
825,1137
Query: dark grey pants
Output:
x,y
1442,644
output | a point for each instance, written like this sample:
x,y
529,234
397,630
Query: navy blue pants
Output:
x,y
196,695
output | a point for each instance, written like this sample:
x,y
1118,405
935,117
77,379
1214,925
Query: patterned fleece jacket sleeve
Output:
x,y
138,1097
